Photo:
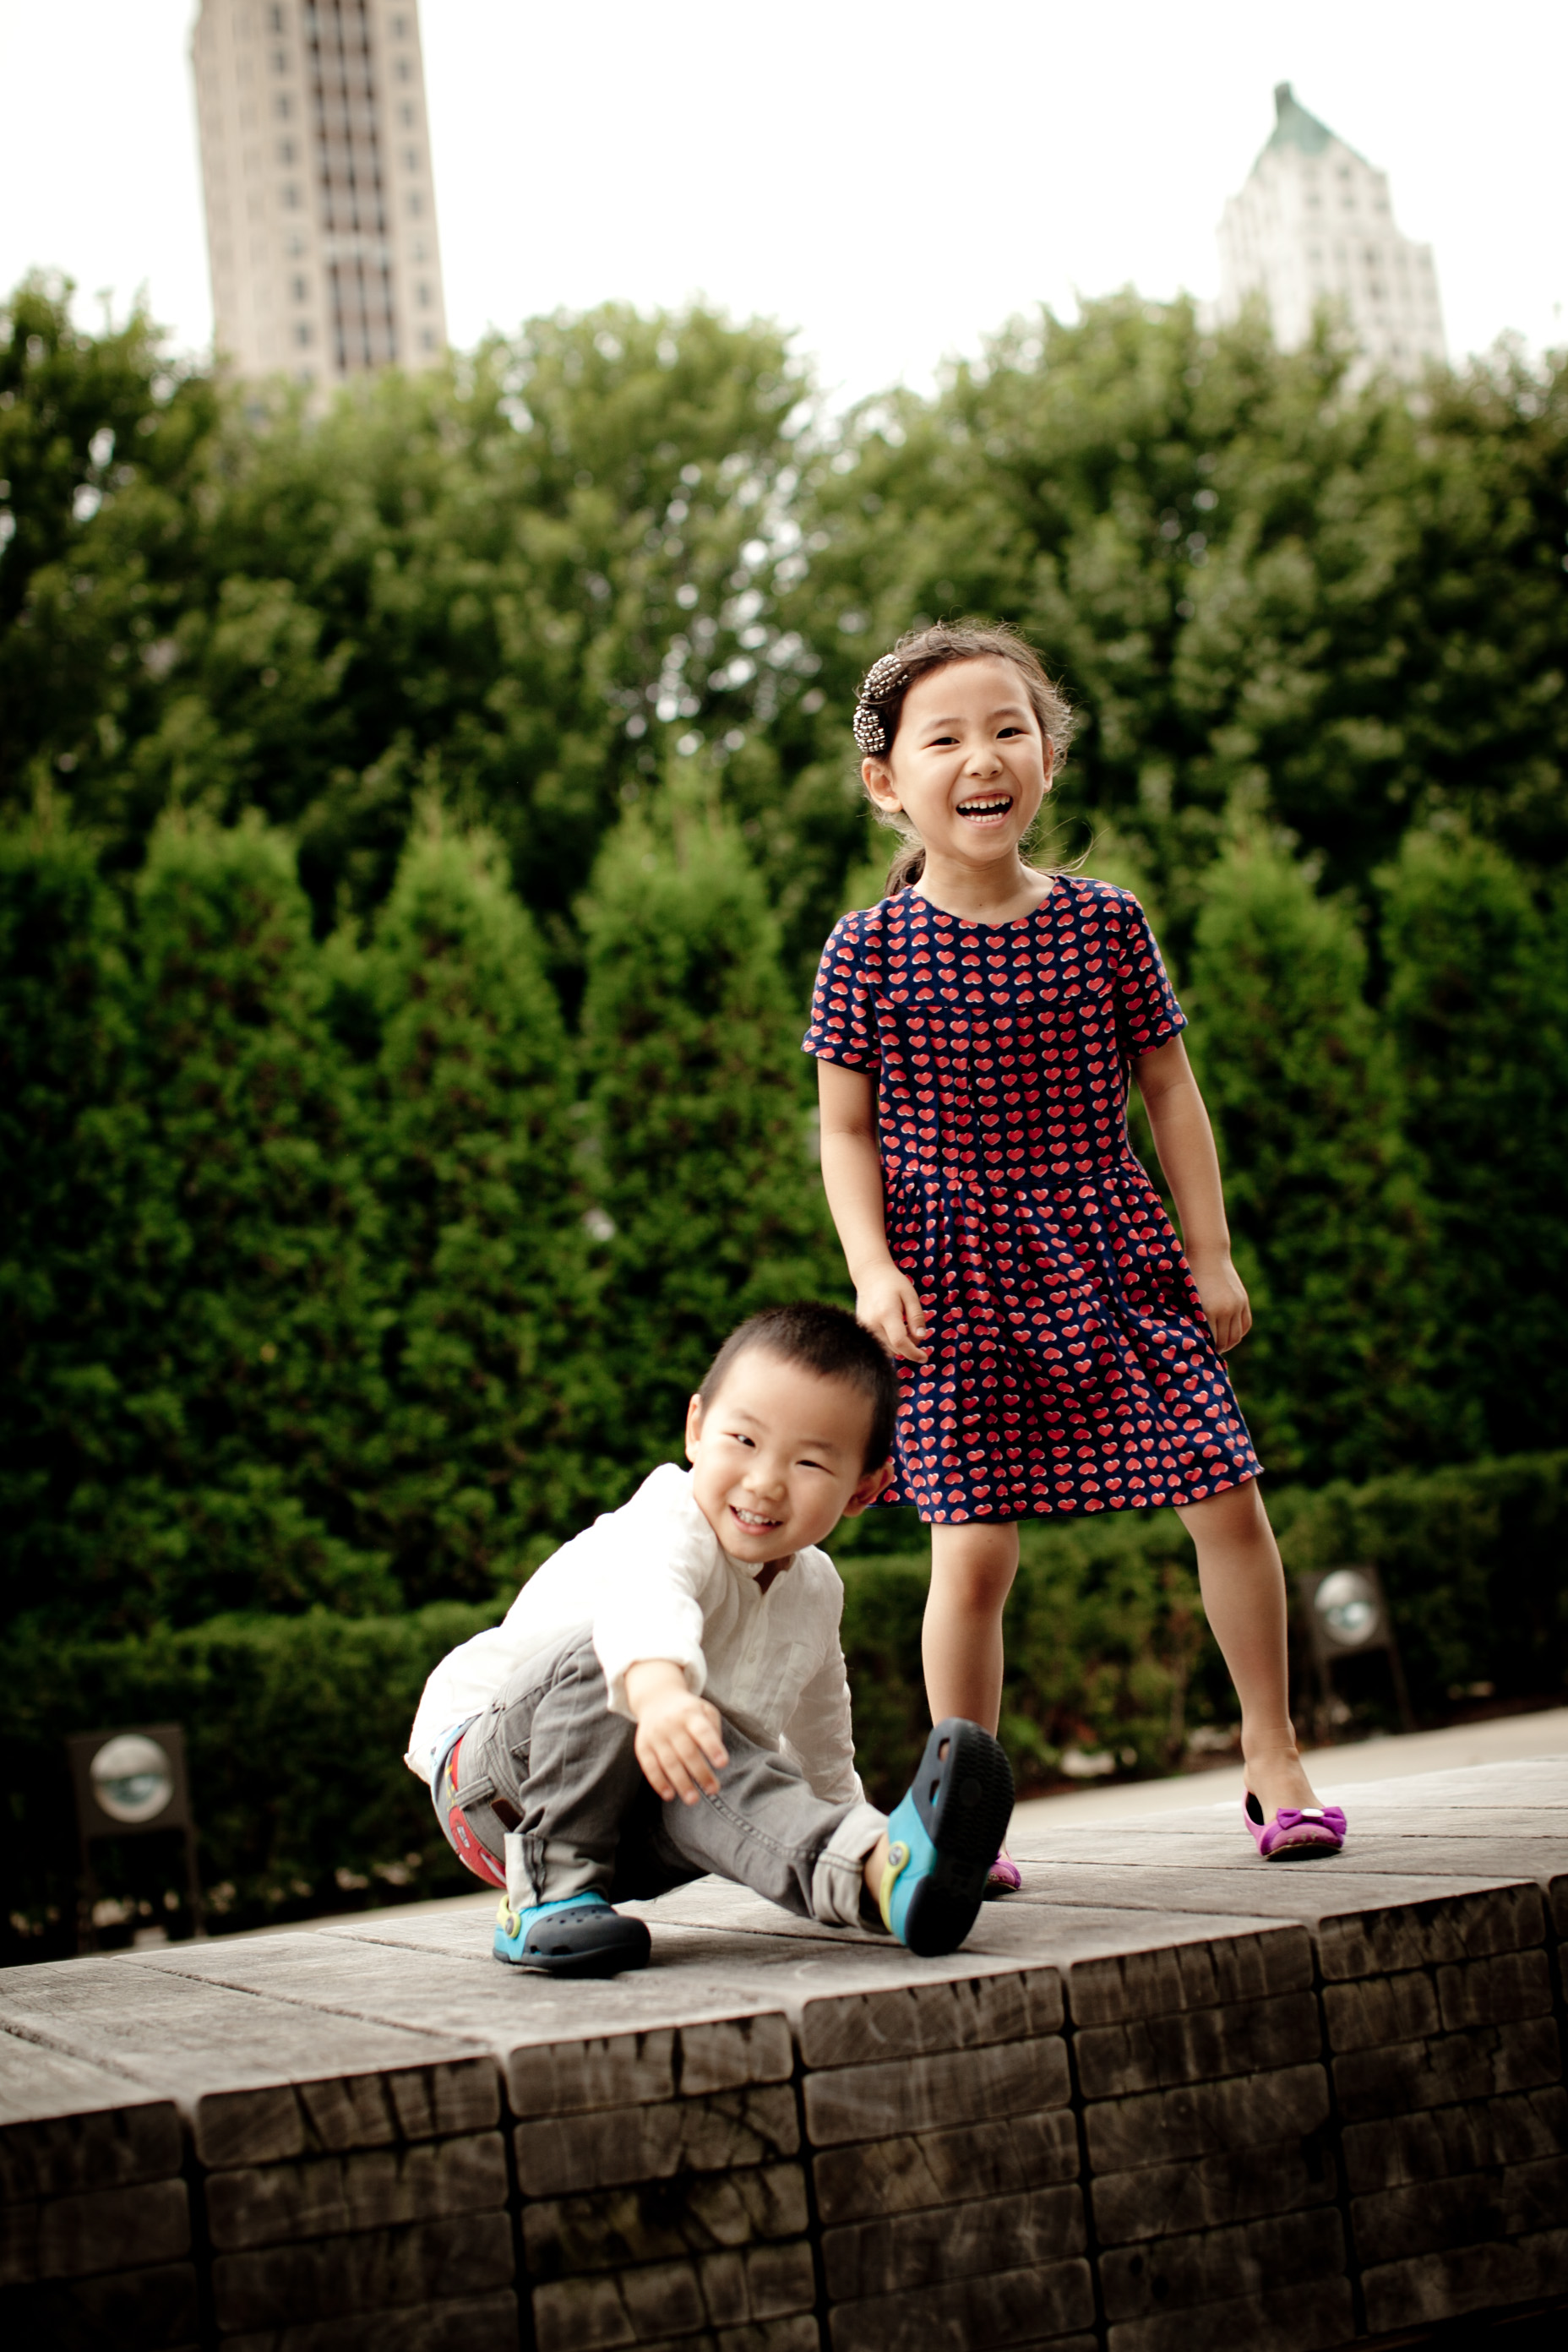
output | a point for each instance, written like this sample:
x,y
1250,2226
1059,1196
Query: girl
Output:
x,y
974,1035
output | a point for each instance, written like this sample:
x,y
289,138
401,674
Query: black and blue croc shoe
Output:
x,y
943,1836
580,1936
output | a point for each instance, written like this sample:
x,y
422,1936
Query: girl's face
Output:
x,y
969,767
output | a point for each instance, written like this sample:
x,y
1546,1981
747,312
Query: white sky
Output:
x,y
882,178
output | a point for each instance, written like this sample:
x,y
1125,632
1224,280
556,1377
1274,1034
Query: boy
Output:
x,y
667,1694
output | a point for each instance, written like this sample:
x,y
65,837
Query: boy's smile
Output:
x,y
746,1518
778,1457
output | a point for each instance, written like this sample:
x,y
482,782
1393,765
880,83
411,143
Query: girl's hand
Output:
x,y
1223,1295
888,1305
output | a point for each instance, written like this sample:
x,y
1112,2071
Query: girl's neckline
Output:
x,y
973,923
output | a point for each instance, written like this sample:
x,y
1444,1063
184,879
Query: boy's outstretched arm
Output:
x,y
677,1744
1185,1142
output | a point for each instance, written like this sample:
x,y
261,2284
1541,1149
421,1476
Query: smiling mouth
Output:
x,y
984,806
754,1520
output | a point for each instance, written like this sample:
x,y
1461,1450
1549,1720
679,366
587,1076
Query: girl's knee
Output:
x,y
1238,1512
974,1566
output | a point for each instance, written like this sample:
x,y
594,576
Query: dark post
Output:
x,y
129,1783
1346,1615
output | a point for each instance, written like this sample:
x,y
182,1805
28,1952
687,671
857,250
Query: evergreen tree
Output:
x,y
72,1140
186,1373
700,1120
248,1375
1322,1191
1477,1000
483,1280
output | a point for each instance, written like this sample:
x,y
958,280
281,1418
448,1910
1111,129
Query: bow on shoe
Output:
x,y
1289,1817
1302,1830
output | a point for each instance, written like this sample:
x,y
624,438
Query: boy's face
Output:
x,y
777,1457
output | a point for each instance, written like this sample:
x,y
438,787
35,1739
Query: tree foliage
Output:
x,y
1321,1187
698,1132
1478,1012
376,1187
1347,608
494,580
104,452
71,1132
196,1351
484,1298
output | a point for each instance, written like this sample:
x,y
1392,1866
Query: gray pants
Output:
x,y
548,1783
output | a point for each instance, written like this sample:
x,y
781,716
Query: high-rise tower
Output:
x,y
315,163
1314,225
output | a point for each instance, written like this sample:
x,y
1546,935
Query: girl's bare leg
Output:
x,y
972,1572
1244,1599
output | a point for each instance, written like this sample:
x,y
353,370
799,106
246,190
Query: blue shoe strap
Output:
x,y
906,1827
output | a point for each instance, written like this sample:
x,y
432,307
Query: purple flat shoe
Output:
x,y
1295,1834
1004,1877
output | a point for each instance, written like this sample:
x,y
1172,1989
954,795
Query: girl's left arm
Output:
x,y
1185,1142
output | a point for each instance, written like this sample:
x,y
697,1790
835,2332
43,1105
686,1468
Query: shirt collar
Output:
x,y
753,1568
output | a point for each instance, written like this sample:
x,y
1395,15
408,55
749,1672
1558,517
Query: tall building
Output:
x,y
316,164
1314,226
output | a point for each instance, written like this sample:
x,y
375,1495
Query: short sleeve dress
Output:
x,y
1069,1365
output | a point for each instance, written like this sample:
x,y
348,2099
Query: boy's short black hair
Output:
x,y
827,1340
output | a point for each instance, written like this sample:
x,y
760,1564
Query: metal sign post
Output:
x,y
1346,1615
129,1783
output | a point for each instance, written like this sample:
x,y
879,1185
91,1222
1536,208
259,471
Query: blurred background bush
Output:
x,y
418,824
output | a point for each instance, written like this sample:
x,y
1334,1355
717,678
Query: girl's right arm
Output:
x,y
886,1301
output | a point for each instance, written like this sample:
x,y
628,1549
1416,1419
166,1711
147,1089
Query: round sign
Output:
x,y
132,1777
1347,1604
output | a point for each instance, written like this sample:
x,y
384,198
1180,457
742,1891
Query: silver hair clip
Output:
x,y
870,728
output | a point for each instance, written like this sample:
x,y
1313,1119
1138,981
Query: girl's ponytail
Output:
x,y
905,867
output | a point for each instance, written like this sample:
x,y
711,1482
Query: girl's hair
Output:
x,y
918,653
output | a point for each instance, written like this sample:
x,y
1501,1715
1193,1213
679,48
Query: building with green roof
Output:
x,y
1313,229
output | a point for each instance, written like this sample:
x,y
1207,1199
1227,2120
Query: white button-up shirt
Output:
x,y
652,1580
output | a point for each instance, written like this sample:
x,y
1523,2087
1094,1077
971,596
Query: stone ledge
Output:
x,y
1162,2073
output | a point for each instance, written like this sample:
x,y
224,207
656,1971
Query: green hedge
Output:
x,y
295,1729
1103,1635
1108,1650
1475,1563
296,1726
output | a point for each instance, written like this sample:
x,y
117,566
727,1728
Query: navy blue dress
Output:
x,y
1070,1367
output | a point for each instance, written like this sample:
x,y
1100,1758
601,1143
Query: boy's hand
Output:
x,y
678,1743
888,1305
1223,1295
